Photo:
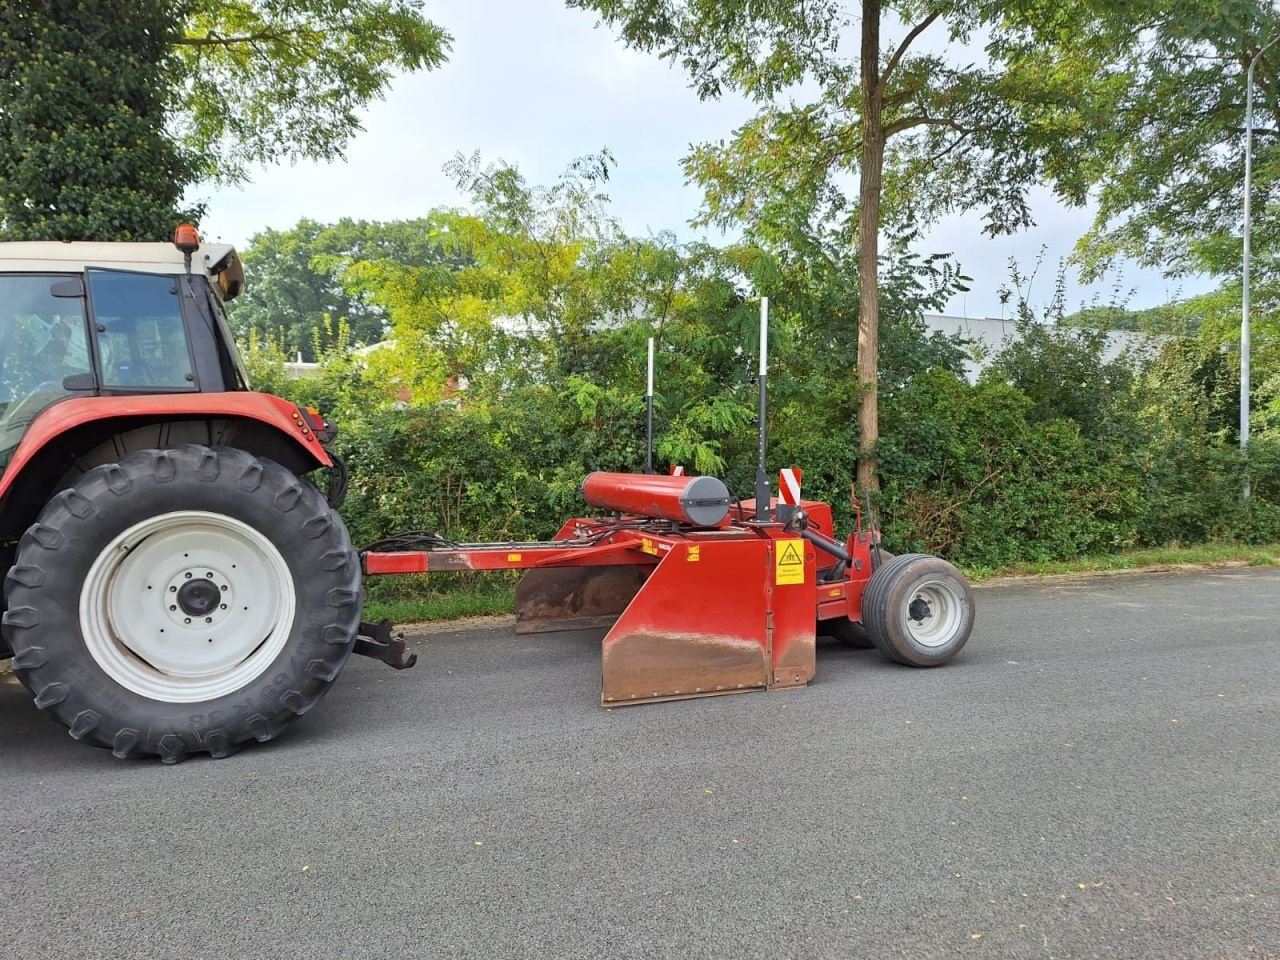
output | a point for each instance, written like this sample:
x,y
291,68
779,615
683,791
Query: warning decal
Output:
x,y
789,563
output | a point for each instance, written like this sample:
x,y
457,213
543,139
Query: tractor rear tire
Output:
x,y
918,610
180,601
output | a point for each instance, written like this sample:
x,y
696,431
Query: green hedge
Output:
x,y
1025,466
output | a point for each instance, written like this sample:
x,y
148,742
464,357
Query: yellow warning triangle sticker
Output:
x,y
790,555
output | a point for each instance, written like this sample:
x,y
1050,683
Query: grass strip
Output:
x,y
471,599
1153,558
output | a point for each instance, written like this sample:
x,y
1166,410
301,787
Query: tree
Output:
x,y
111,110
1159,143
924,135
300,286
84,96
1159,140
271,80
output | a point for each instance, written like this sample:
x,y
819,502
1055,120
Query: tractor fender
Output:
x,y
68,415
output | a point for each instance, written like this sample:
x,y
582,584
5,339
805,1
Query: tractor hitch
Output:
x,y
376,640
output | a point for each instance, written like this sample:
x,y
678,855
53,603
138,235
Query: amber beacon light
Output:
x,y
185,238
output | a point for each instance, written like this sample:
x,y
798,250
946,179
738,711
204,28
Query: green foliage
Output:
x,y
1156,132
84,153
1180,319
970,474
516,366
273,80
960,136
1064,373
300,283
110,110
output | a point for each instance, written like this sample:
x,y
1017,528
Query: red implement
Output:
x,y
722,613
699,600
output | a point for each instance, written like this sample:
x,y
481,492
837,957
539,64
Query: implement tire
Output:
x,y
185,600
918,610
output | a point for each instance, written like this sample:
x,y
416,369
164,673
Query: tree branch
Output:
x,y
214,40
947,150
922,120
898,54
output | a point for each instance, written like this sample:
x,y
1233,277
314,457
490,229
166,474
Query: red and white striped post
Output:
x,y
788,492
676,470
789,486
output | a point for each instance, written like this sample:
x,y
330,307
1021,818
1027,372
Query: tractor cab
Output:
x,y
94,319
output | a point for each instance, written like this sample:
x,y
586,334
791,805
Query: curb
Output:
x,y
1016,579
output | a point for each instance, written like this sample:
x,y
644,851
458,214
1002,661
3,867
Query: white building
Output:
x,y
989,335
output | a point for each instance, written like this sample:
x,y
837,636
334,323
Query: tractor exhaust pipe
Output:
x,y
762,479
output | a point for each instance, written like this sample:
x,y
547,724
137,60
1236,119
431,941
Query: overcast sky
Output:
x,y
536,84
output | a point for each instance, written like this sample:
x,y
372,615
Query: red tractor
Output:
x,y
178,584
174,584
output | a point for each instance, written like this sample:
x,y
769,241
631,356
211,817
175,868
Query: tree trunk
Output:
x,y
869,247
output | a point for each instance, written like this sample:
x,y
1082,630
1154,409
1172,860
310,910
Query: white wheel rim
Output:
x,y
188,606
934,613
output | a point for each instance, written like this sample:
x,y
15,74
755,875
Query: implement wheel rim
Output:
x,y
934,612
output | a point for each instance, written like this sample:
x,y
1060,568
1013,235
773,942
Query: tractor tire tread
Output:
x,y
42,625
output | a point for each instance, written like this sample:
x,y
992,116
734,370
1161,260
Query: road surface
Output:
x,y
1098,775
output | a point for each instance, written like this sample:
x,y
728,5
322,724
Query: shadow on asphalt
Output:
x,y
557,672
30,739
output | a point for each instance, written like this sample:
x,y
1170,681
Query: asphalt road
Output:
x,y
1098,775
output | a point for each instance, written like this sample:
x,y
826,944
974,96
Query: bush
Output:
x,y
971,474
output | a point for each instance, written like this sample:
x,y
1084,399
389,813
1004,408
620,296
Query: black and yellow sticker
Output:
x,y
789,562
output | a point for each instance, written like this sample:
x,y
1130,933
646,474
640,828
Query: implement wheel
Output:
x,y
182,601
918,610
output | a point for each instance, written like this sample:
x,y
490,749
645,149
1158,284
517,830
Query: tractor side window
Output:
x,y
44,352
142,341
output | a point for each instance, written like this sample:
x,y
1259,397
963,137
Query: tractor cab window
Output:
x,y
142,341
44,352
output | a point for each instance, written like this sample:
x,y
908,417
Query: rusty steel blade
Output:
x,y
644,667
575,598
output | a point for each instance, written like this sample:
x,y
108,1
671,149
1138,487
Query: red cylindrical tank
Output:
x,y
699,501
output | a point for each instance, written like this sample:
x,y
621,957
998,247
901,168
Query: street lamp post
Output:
x,y
1245,333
